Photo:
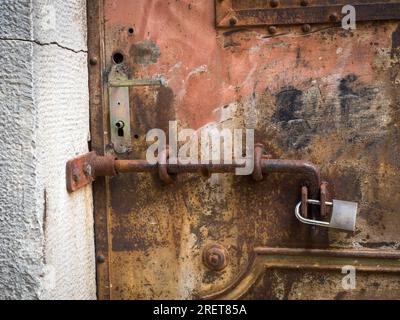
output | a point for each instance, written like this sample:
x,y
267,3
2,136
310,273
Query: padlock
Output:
x,y
343,217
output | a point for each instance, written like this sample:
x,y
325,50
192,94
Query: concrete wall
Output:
x,y
46,234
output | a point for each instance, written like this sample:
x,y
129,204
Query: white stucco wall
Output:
x,y
46,234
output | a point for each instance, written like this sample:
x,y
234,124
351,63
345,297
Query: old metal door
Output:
x,y
310,89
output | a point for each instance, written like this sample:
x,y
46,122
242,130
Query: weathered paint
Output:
x,y
330,97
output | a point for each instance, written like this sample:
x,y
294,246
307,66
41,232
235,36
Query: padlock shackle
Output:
x,y
310,221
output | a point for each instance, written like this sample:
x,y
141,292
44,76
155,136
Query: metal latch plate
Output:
x,y
78,172
240,13
120,120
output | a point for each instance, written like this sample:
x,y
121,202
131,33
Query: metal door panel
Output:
x,y
329,96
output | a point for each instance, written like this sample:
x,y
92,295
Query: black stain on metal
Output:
x,y
288,102
289,115
346,93
145,52
355,101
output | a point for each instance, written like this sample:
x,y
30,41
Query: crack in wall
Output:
x,y
43,44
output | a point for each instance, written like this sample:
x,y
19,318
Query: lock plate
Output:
x,y
120,123
120,119
240,13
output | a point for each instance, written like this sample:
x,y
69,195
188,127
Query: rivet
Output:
x,y
272,29
93,61
232,21
333,17
101,259
306,28
274,3
215,257
304,3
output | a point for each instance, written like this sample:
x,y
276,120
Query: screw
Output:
x,y
304,3
272,29
306,28
93,61
232,21
76,176
215,257
101,259
87,169
333,17
274,3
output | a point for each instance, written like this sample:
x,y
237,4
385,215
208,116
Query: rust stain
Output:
x,y
145,52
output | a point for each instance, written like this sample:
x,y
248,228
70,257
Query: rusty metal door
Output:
x,y
310,89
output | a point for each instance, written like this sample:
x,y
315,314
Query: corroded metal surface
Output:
x,y
240,13
320,260
330,97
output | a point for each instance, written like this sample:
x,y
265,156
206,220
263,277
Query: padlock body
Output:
x,y
344,215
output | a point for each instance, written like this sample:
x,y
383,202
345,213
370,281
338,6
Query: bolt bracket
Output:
x,y
79,171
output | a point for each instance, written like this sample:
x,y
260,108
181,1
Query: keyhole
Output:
x,y
120,126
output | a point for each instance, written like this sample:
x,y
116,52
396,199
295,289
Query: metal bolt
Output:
x,y
274,3
304,3
272,29
333,17
232,21
215,257
76,176
101,259
93,61
306,28
87,169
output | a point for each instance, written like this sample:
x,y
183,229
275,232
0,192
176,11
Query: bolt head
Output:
x,y
215,257
101,259
76,176
87,169
272,29
306,28
232,21
333,17
93,61
274,3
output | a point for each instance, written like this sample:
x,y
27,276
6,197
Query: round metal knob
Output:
x,y
215,257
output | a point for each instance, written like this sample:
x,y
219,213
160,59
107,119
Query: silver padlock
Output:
x,y
343,217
